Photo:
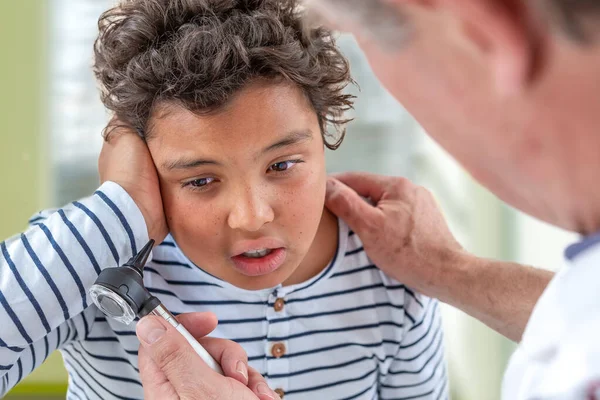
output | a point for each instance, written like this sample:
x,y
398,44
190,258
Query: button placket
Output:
x,y
277,349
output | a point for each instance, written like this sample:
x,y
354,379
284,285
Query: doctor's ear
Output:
x,y
501,30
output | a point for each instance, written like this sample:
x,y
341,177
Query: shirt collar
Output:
x,y
584,244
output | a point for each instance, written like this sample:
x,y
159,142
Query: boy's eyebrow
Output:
x,y
187,163
291,138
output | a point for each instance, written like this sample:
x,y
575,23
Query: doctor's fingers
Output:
x,y
365,184
158,387
231,356
199,324
258,385
377,187
189,375
347,204
154,381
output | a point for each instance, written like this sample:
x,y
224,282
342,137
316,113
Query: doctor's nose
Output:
x,y
250,211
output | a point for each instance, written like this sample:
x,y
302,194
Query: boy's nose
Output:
x,y
250,211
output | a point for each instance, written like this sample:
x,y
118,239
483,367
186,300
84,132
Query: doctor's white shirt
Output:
x,y
559,356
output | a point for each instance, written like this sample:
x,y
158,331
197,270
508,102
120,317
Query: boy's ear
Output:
x,y
500,29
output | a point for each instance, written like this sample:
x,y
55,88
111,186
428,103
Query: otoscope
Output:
x,y
121,295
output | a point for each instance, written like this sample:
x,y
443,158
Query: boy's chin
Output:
x,y
262,282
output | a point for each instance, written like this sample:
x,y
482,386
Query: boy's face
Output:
x,y
243,189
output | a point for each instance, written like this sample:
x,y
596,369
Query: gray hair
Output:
x,y
378,19
576,19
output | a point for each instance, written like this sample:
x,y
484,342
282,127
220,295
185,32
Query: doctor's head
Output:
x,y
509,87
237,101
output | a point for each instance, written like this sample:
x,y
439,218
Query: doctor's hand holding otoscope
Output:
x,y
120,294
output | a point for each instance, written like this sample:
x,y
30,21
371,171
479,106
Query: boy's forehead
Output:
x,y
270,109
257,123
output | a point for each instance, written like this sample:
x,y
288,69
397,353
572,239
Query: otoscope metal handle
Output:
x,y
162,312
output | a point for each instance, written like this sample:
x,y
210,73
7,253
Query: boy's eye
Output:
x,y
200,182
282,166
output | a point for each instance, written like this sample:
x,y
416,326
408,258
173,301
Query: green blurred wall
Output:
x,y
24,168
22,111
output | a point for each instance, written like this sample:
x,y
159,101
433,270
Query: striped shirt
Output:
x,y
351,332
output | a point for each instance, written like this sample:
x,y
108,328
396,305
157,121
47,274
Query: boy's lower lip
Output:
x,y
260,266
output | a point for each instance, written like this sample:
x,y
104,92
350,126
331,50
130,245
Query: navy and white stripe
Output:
x,y
349,333
45,273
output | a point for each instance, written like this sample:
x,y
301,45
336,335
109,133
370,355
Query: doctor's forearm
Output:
x,y
500,294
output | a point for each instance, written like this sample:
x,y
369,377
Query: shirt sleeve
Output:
x,y
46,271
418,370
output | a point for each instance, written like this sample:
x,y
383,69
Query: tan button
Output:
x,y
279,304
278,350
280,392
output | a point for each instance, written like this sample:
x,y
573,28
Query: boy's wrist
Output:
x,y
132,212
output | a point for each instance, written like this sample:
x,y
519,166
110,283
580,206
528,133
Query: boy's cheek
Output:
x,y
313,180
303,203
184,215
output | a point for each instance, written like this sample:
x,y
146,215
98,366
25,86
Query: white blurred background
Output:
x,y
52,119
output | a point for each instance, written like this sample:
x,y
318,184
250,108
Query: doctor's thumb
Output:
x,y
349,206
150,330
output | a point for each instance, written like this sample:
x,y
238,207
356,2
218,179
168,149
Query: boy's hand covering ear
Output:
x,y
170,369
125,160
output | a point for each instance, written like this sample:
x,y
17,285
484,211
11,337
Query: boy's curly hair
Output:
x,y
198,53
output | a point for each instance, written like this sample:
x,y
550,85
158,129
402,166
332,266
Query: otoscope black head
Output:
x,y
138,261
120,292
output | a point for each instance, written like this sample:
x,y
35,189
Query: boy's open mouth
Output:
x,y
258,257
257,253
256,260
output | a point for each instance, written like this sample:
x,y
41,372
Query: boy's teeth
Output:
x,y
257,253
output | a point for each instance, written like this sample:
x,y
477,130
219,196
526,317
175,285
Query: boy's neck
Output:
x,y
321,251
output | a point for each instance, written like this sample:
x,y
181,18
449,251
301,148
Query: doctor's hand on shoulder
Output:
x,y
402,229
405,235
170,369
125,160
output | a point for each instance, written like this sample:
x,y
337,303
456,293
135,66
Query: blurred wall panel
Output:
x,y
22,112
24,155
